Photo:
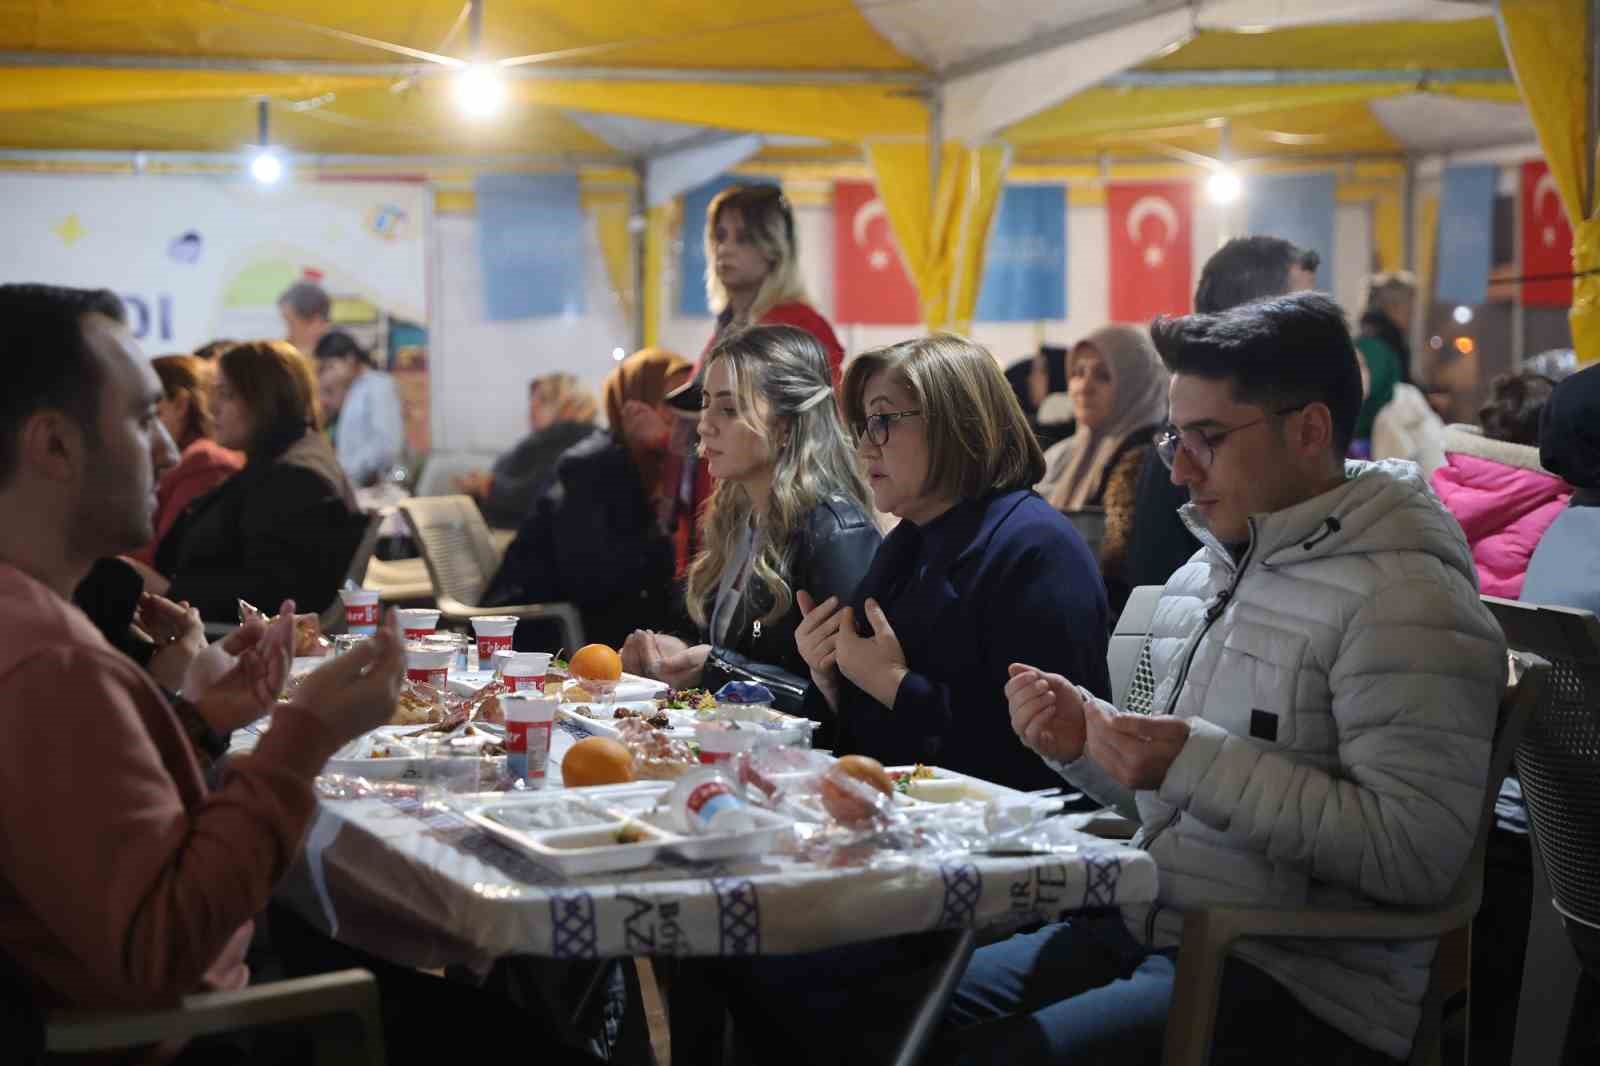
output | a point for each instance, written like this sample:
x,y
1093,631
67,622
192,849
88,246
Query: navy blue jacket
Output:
x,y
1007,579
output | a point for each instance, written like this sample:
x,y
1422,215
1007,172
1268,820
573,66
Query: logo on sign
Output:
x,y
1547,184
386,221
1160,208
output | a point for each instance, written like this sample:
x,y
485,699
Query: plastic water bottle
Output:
x,y
707,803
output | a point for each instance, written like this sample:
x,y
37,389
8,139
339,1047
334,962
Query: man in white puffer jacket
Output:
x,y
1326,685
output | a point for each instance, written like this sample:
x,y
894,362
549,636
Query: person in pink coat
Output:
x,y
1493,483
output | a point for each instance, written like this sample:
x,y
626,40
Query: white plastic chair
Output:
x,y
461,559
1209,932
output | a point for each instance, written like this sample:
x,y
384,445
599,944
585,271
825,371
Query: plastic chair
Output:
x,y
461,558
1127,645
338,1012
1209,932
1558,763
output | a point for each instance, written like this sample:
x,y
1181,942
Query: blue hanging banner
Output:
x,y
1466,234
531,244
1025,263
1298,208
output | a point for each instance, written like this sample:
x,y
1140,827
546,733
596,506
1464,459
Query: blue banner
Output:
x,y
1466,234
531,244
692,258
1025,264
1298,208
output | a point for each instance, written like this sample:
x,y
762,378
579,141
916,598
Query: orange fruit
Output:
x,y
842,799
596,662
597,761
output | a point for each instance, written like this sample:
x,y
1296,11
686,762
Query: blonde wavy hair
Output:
x,y
564,392
769,223
782,388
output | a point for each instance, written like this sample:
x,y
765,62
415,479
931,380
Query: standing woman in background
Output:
x,y
752,279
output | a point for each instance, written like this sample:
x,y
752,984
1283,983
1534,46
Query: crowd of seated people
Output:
x,y
723,526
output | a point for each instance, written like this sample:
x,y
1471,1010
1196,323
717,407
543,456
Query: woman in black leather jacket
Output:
x,y
789,513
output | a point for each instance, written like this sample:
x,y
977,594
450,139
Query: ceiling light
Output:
x,y
480,90
618,354
1224,186
1462,315
266,167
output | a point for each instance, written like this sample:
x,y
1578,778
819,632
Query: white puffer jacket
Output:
x,y
1341,682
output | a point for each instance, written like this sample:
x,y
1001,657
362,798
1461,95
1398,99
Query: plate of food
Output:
x,y
934,784
392,753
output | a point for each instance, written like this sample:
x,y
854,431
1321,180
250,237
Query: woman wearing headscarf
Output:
x,y
592,538
1118,390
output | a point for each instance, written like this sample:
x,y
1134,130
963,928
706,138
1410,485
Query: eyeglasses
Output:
x,y
1202,446
876,427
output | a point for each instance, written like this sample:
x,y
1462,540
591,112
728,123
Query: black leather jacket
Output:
x,y
828,557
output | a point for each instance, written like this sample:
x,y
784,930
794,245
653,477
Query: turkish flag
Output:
x,y
1152,261
1546,239
871,286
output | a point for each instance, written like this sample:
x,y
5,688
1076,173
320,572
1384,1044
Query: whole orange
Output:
x,y
597,761
596,662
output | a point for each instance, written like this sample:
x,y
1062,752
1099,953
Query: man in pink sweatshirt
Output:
x,y
124,881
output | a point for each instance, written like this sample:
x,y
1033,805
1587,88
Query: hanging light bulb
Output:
x,y
480,90
1224,186
266,167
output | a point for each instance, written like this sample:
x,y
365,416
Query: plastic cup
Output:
x,y
450,769
418,622
348,642
454,643
498,662
360,611
494,632
430,666
526,672
529,717
718,745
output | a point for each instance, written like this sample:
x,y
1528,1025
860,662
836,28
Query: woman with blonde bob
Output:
x,y
980,573
284,527
789,512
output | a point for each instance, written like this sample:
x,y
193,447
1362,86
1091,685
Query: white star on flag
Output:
x,y
1549,236
1153,256
879,259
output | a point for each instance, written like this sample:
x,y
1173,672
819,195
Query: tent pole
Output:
x,y
1592,131
936,141
639,226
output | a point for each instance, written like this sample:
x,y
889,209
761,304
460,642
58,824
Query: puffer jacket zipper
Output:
x,y
1212,614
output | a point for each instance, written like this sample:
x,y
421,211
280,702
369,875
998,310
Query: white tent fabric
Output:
x,y
1428,123
675,173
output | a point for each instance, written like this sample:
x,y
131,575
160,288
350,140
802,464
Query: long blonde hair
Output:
x,y
784,370
769,223
571,400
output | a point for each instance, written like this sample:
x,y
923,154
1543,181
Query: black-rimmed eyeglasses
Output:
x,y
876,427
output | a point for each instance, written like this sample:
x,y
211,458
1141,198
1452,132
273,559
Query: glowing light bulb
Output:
x,y
480,91
1462,315
1224,186
266,167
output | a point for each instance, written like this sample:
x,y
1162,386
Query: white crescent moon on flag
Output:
x,y
864,215
1158,206
1547,184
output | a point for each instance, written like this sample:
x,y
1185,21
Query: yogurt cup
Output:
x,y
494,632
360,611
526,672
529,717
430,666
418,622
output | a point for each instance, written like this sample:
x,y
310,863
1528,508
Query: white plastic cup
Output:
x,y
719,745
529,717
360,611
455,643
418,622
430,666
526,672
494,632
499,661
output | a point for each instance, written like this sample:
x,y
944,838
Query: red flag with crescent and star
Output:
x,y
1546,239
871,286
1152,259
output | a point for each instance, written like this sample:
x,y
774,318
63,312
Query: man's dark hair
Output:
x,y
1282,352
48,360
338,344
1246,269
1516,402
308,300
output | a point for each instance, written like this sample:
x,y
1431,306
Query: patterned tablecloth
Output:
x,y
424,886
